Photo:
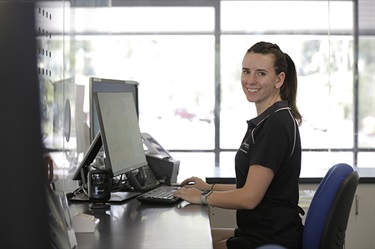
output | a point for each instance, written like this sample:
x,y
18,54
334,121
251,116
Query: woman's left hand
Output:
x,y
191,195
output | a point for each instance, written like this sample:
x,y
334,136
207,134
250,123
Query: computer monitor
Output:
x,y
120,132
83,168
101,85
108,85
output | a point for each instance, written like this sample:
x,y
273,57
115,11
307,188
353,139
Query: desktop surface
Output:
x,y
142,226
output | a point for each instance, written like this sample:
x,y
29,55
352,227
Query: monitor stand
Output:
x,y
116,197
99,205
123,196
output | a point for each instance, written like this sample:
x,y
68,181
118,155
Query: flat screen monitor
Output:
x,y
120,132
108,85
83,168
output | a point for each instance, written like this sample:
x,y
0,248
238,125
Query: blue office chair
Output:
x,y
328,214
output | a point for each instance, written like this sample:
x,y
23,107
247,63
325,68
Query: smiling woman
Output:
x,y
268,163
269,75
259,80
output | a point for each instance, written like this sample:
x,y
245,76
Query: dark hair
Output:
x,y
283,63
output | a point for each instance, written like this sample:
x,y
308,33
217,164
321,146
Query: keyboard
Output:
x,y
160,195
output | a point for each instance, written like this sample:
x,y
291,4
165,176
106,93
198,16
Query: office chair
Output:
x,y
328,214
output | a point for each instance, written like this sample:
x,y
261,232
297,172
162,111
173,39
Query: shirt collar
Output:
x,y
280,104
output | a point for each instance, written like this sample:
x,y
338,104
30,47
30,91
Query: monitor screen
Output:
x,y
108,85
120,131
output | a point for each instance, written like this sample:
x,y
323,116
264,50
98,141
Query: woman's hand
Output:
x,y
189,194
195,182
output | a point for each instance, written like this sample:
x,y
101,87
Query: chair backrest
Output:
x,y
328,214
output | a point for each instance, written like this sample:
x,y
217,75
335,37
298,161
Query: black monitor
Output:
x,y
101,85
108,85
83,168
120,132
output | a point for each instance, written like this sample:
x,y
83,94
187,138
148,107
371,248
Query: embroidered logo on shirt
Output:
x,y
244,147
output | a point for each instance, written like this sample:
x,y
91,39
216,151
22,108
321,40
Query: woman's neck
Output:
x,y
261,107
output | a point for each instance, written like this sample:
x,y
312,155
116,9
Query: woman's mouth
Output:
x,y
252,90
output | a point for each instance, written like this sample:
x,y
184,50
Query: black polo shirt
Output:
x,y
273,141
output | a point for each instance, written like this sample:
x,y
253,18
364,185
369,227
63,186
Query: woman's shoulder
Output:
x,y
282,114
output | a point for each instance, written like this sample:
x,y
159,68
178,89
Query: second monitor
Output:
x,y
108,85
120,131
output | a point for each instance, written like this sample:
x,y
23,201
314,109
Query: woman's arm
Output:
x,y
258,180
222,187
250,195
196,182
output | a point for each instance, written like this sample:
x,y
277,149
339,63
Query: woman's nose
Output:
x,y
248,79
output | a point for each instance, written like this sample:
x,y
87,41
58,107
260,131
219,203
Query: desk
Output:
x,y
139,226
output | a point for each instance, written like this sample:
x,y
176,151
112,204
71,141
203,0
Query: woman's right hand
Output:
x,y
195,182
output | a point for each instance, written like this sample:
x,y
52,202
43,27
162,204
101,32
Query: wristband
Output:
x,y
204,196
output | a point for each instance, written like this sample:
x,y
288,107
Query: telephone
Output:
x,y
142,179
161,168
153,147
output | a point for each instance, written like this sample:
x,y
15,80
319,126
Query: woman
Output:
x,y
268,162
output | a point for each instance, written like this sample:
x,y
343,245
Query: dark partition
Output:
x,y
24,210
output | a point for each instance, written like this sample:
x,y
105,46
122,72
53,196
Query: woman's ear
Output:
x,y
280,80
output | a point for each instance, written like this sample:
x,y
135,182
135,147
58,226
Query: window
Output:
x,y
187,58
174,67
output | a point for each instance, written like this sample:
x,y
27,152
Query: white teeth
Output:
x,y
252,90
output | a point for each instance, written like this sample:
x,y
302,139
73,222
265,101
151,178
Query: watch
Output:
x,y
204,195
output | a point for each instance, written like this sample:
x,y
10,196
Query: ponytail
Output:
x,y
288,90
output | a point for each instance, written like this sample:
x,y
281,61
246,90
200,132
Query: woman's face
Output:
x,y
259,81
